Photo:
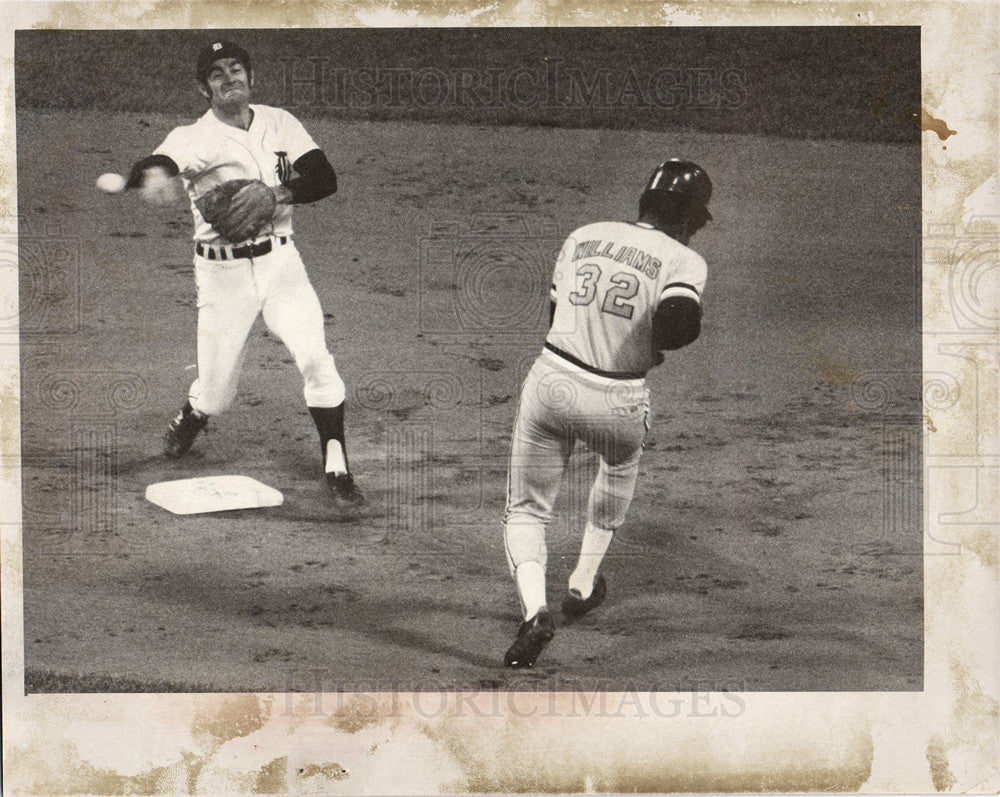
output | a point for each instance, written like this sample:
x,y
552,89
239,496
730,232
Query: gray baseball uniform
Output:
x,y
588,383
622,294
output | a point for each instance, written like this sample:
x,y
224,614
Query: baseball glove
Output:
x,y
238,209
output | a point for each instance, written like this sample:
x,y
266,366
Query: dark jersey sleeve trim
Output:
x,y
138,171
676,322
316,178
681,285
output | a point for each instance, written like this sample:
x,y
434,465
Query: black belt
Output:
x,y
239,252
581,364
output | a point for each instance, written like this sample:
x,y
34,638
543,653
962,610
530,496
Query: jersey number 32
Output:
x,y
624,285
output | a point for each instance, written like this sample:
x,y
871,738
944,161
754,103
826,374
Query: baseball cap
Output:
x,y
221,49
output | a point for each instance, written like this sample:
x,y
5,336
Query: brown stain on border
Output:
x,y
928,122
982,542
515,759
358,714
925,120
327,769
237,716
975,726
10,414
8,187
272,778
193,15
937,756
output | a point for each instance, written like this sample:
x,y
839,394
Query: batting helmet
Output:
x,y
683,182
217,50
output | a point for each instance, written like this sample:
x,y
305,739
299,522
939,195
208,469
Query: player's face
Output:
x,y
228,83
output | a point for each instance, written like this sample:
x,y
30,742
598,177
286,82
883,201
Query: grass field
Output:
x,y
775,539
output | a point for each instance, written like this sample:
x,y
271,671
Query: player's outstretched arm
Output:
x,y
155,177
316,180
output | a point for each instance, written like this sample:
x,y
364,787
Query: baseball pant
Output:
x,y
231,294
559,405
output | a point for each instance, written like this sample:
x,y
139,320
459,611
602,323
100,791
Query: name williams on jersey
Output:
x,y
629,255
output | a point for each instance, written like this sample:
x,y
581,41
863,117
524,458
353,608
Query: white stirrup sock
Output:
x,y
335,461
595,544
530,578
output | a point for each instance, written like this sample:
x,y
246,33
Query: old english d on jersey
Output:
x,y
209,152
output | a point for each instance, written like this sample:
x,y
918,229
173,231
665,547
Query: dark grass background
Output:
x,y
857,83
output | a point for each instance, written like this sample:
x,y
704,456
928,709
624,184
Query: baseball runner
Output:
x,y
622,294
244,166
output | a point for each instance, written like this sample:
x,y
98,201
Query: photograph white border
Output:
x,y
944,738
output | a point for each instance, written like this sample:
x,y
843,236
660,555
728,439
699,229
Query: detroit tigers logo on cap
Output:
x,y
218,50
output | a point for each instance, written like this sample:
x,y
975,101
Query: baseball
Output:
x,y
111,183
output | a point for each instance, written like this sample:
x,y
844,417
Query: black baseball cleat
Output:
x,y
182,431
532,637
344,491
574,606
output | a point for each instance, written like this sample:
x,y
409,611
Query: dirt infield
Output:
x,y
775,539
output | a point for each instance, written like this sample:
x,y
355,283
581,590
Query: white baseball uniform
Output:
x,y
238,282
588,383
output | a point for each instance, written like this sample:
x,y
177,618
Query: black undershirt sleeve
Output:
x,y
138,171
316,178
676,323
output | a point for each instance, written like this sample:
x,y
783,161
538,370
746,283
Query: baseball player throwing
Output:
x,y
623,294
243,167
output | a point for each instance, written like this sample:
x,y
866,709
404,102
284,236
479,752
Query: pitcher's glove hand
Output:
x,y
238,209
